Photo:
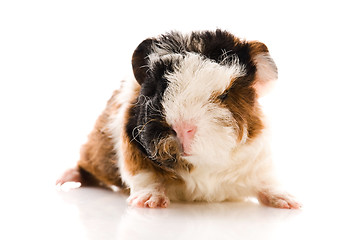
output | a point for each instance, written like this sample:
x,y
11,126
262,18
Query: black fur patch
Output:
x,y
139,62
215,45
146,122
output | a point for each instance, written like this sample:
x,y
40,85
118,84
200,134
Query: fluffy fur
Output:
x,y
190,127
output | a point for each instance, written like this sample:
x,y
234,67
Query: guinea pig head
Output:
x,y
198,96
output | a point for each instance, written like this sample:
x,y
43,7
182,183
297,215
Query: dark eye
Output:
x,y
223,96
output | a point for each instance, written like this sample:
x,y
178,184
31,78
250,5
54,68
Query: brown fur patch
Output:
x,y
135,162
170,148
97,156
257,48
266,68
242,102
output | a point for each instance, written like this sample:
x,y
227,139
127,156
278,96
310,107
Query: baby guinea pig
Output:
x,y
190,127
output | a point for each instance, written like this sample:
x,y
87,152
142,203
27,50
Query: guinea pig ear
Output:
x,y
139,60
266,69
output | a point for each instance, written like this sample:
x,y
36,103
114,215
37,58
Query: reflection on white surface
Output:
x,y
95,213
105,215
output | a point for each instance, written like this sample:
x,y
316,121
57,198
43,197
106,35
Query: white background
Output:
x,y
61,60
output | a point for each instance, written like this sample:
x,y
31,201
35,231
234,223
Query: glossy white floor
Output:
x,y
60,61
91,213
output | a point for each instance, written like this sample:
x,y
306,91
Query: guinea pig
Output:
x,y
189,127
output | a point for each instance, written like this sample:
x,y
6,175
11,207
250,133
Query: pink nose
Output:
x,y
185,132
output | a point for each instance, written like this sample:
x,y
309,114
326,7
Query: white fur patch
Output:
x,y
143,181
248,171
117,123
188,98
224,168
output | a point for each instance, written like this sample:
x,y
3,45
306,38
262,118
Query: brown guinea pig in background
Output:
x,y
190,127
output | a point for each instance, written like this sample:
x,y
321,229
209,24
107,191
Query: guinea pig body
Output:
x,y
190,127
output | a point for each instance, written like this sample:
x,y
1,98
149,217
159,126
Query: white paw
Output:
x,y
278,200
150,199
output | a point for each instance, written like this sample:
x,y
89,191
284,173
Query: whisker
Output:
x,y
149,104
139,131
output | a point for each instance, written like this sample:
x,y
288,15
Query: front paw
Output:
x,y
278,200
148,199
